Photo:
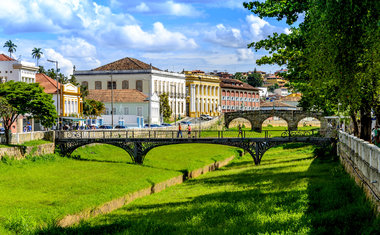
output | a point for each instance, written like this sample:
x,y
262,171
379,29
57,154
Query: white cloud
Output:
x,y
245,54
159,40
180,9
258,27
142,7
225,36
287,31
77,47
65,65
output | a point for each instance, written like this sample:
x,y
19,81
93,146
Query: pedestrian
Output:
x,y
189,131
240,131
179,130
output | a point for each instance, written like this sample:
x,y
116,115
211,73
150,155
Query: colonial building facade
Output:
x,y
130,73
237,95
69,101
203,94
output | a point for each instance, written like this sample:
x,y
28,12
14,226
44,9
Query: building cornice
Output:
x,y
120,72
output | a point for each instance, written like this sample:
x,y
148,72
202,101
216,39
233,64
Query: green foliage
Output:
x,y
11,47
36,53
165,109
291,192
46,188
254,79
240,77
93,108
20,98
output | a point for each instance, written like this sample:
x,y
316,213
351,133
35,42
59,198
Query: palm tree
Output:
x,y
36,53
11,47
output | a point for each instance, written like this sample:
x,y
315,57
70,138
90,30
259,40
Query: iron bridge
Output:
x,y
139,142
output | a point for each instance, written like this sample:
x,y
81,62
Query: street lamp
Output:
x,y
111,100
175,103
56,67
200,103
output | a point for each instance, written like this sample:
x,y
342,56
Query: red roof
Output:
x,y
5,58
119,96
235,84
126,63
48,83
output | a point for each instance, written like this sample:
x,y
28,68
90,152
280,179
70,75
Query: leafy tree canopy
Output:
x,y
20,98
254,79
93,108
165,109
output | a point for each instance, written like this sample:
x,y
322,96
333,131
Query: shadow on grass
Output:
x,y
265,200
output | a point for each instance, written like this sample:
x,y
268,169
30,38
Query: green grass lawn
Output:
x,y
291,192
39,190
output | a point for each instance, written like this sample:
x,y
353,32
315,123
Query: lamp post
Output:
x,y
175,104
200,103
111,101
56,68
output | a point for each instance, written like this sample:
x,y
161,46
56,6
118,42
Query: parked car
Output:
x,y
166,124
205,117
120,127
186,123
105,127
151,125
2,130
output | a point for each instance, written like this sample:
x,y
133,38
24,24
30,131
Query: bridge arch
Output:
x,y
257,117
240,120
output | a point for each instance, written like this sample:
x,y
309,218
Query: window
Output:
x,y
109,86
98,85
126,110
107,111
139,111
139,86
114,111
125,84
85,84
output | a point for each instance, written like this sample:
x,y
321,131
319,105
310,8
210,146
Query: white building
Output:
x,y
129,107
18,71
263,91
130,73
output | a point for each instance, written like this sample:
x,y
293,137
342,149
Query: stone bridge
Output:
x,y
292,117
139,143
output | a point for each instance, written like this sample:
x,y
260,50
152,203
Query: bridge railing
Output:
x,y
171,134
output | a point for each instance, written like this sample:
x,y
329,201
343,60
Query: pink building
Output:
x,y
237,95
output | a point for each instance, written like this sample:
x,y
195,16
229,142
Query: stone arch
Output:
x,y
68,148
275,116
318,116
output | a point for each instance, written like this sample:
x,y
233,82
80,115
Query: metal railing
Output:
x,y
171,134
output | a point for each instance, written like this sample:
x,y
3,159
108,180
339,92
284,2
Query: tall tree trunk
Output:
x,y
6,132
355,123
365,122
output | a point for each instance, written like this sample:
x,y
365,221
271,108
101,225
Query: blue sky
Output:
x,y
170,34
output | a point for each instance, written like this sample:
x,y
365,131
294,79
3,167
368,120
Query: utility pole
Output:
x,y
111,101
58,94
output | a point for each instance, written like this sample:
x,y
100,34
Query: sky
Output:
x,y
173,35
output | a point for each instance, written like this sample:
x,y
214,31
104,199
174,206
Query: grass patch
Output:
x,y
35,143
37,191
291,192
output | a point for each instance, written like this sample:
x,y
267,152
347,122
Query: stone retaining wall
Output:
x,y
362,160
120,202
20,138
20,152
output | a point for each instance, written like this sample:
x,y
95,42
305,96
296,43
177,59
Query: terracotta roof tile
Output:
x,y
119,96
229,83
48,83
276,104
126,63
5,58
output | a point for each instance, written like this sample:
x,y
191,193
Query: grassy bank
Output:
x,y
290,192
37,191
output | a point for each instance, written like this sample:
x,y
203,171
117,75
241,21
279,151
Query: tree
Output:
x,y
254,79
37,53
20,98
166,111
11,47
240,77
93,108
329,56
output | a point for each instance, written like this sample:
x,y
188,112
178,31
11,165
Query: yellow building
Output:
x,y
203,94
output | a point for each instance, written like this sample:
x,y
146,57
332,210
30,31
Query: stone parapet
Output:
x,y
20,152
362,160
